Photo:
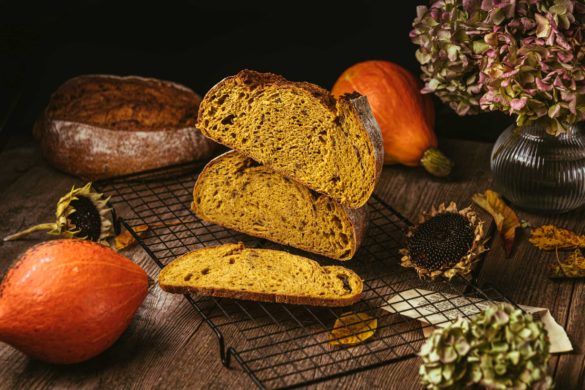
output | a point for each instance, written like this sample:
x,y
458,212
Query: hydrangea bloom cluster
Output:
x,y
523,57
499,348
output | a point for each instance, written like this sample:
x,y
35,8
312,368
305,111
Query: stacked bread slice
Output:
x,y
302,169
305,164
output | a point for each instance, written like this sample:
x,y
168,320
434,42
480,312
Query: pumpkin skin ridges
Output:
x,y
405,116
51,310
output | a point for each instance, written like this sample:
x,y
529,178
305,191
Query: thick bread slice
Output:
x,y
235,191
233,271
300,131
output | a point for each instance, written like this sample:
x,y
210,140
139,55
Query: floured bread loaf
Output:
x,y
300,131
98,126
233,271
235,191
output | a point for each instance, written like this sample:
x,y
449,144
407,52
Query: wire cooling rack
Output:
x,y
286,346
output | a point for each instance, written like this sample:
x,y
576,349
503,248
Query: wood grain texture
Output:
x,y
169,346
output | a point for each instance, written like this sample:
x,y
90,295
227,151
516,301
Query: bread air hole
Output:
x,y
228,120
345,282
204,271
188,277
232,261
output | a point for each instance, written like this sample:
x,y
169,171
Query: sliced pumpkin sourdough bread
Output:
x,y
299,130
236,192
233,271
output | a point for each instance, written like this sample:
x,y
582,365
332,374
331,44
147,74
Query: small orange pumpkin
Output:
x,y
66,301
406,117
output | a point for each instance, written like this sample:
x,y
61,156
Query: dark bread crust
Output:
x,y
99,126
355,102
357,217
263,297
267,297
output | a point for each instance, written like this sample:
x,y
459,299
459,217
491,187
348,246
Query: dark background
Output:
x,y
197,43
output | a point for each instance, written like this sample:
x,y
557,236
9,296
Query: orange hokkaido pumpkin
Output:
x,y
66,301
406,117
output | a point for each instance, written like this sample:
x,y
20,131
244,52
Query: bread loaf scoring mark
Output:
x,y
128,103
236,192
265,275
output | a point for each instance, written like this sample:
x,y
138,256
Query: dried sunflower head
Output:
x,y
81,213
446,242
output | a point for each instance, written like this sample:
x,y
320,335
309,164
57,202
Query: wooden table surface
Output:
x,y
168,345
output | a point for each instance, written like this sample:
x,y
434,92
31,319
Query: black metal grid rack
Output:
x,y
284,346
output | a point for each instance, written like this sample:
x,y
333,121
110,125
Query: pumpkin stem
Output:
x,y
436,163
42,226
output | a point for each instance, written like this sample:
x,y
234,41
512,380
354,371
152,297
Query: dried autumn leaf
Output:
x,y
550,237
572,267
126,239
505,218
352,328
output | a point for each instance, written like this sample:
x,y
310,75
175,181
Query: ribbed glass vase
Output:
x,y
540,172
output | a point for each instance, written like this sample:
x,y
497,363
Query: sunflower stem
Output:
x,y
42,226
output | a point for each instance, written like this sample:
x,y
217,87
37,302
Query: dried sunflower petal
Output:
x,y
550,237
126,239
505,218
352,328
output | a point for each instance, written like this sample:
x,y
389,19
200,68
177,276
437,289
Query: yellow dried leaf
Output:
x,y
352,328
572,267
550,237
125,239
505,218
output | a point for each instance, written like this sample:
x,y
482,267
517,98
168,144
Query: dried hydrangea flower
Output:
x,y
523,57
444,356
500,348
450,39
535,65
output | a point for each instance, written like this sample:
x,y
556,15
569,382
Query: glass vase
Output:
x,y
540,172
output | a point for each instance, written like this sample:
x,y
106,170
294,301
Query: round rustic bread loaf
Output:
x,y
99,126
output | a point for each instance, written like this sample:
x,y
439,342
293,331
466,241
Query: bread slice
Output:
x,y
236,192
99,126
233,271
300,131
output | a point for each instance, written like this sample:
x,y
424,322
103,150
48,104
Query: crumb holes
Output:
x,y
221,99
345,282
334,179
188,277
228,120
232,261
204,271
321,293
